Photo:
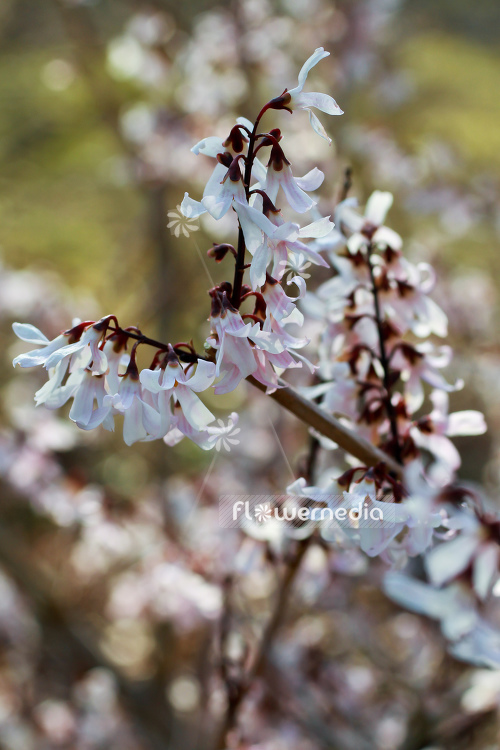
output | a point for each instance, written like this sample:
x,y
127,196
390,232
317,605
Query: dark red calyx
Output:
x,y
236,140
219,252
277,159
280,102
226,158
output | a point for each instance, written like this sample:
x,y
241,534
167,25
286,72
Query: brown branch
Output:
x,y
384,361
311,414
266,642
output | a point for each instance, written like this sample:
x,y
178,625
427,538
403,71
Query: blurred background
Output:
x,y
112,565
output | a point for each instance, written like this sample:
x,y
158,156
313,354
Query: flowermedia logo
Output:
x,y
181,224
345,510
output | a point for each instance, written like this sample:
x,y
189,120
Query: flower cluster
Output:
x,y
89,363
377,364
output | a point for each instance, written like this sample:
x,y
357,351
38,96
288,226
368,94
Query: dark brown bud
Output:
x,y
234,170
277,159
226,158
280,102
219,252
236,140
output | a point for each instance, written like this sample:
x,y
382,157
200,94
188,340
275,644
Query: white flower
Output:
x,y
475,546
92,388
279,174
28,332
418,363
236,342
453,607
141,421
82,337
171,381
297,99
368,228
433,432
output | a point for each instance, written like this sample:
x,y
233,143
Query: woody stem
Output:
x,y
239,268
384,361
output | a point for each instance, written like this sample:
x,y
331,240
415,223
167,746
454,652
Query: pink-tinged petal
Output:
x,y
239,353
193,409
264,373
266,340
297,198
450,559
150,420
173,437
213,185
414,392
100,416
280,259
150,380
190,208
320,228
346,217
259,172
378,206
203,377
417,596
468,422
311,181
318,55
440,402
258,266
129,391
133,428
52,385
210,146
323,102
245,122
300,283
99,361
272,184
29,333
83,402
442,448
317,126
286,231
485,571
218,205
386,236
170,374
253,223
31,359
232,377
166,418
438,320
434,378
59,397
62,353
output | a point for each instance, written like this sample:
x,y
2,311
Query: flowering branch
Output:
x,y
376,324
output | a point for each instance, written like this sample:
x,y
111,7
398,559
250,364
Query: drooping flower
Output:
x,y
296,98
141,421
91,389
170,381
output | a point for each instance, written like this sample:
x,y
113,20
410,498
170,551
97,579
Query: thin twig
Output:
x,y
384,361
329,426
266,642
